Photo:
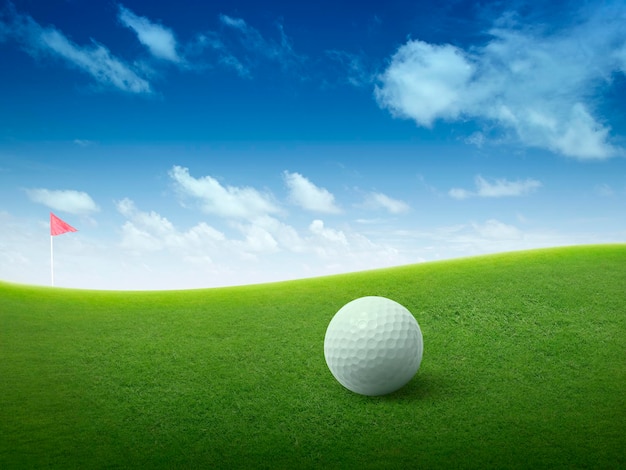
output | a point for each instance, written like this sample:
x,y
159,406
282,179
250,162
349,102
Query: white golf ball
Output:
x,y
373,346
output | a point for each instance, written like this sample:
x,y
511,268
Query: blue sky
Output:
x,y
202,144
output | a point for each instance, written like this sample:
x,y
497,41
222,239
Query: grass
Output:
x,y
524,367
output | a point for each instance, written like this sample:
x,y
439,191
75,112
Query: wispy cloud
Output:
x,y
376,200
536,85
604,190
237,46
200,52
240,47
236,23
499,188
73,202
225,201
307,195
94,59
230,61
159,40
353,67
256,46
83,142
251,39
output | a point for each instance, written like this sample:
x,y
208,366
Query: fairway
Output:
x,y
524,366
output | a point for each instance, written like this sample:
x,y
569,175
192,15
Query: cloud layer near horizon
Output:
x,y
234,234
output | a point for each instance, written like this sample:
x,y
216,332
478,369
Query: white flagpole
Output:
x,y
51,262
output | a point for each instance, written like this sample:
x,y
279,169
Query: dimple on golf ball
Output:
x,y
373,346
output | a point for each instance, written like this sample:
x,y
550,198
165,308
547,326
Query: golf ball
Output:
x,y
373,346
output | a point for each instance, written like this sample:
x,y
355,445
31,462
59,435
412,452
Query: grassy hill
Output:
x,y
524,367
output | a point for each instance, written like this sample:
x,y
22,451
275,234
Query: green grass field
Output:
x,y
524,367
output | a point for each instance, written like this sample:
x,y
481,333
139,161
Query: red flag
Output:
x,y
58,227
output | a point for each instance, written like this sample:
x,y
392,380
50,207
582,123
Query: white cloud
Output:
x,y
335,236
377,200
150,221
458,193
95,60
494,229
536,86
425,82
225,201
149,231
309,196
257,240
286,236
159,40
500,188
136,240
346,250
481,237
73,202
503,187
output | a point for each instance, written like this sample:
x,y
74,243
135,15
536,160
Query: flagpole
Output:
x,y
57,227
51,262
